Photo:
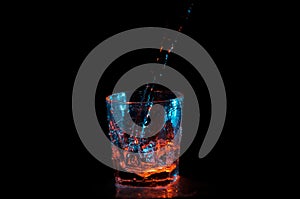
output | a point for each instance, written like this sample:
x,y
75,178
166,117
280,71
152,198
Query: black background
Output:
x,y
234,37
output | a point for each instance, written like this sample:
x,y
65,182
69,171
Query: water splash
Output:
x,y
164,53
165,50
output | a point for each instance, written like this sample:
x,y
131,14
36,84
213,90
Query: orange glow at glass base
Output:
x,y
169,191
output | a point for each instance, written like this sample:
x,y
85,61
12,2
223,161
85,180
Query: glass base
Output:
x,y
182,188
168,191
158,178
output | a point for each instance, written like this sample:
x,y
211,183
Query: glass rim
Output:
x,y
179,96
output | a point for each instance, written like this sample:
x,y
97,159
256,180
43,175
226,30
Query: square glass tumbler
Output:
x,y
145,137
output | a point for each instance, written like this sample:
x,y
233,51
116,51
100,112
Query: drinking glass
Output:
x,y
145,136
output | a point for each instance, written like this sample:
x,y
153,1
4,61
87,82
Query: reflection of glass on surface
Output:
x,y
142,158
